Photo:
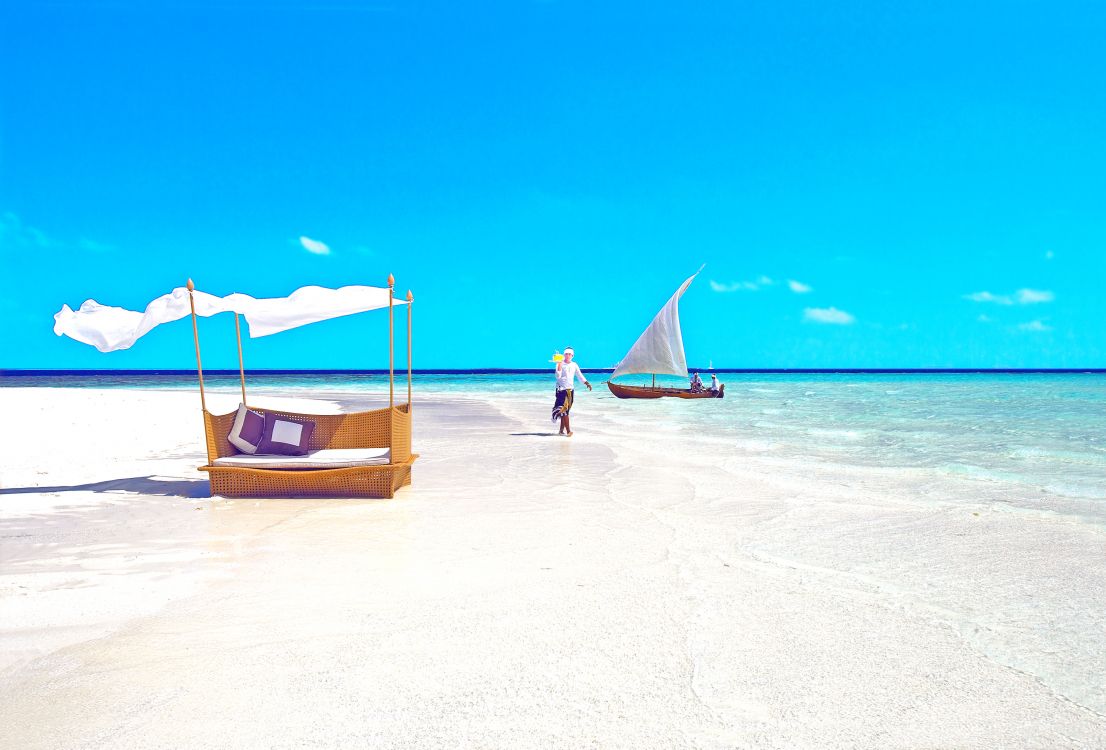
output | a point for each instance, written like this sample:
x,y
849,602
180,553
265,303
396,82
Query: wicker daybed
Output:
x,y
382,428
361,454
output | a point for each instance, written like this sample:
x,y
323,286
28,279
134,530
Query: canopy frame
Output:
x,y
241,361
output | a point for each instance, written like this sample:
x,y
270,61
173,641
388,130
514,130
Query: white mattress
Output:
x,y
330,458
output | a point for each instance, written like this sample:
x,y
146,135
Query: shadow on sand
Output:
x,y
147,485
535,434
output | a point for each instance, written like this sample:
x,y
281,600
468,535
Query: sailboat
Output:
x,y
659,350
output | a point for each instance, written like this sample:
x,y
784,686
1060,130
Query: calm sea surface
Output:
x,y
1044,431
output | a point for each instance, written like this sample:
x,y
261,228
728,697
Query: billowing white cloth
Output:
x,y
112,328
660,348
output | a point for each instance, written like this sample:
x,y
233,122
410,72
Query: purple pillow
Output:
x,y
285,437
248,427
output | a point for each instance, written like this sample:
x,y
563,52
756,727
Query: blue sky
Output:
x,y
869,184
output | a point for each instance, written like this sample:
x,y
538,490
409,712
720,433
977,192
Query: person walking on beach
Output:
x,y
567,372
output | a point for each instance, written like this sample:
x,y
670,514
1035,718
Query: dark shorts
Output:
x,y
563,403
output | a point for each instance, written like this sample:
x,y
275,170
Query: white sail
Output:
x,y
660,348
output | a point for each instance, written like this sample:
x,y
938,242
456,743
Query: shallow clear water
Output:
x,y
1042,431
1045,431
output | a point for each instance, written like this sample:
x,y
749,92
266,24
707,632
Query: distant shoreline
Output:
x,y
16,373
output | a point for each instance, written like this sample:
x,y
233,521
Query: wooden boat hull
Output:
x,y
644,391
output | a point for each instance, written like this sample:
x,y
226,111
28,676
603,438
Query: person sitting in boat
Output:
x,y
696,383
713,383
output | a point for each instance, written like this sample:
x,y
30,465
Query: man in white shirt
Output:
x,y
713,383
567,372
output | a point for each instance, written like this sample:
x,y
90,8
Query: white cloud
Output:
x,y
998,299
20,237
798,287
93,246
14,233
742,286
1021,297
734,286
39,237
1033,296
1035,325
314,246
828,315
984,318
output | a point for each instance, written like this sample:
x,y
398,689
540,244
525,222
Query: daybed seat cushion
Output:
x,y
327,458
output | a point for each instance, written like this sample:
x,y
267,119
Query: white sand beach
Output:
x,y
626,588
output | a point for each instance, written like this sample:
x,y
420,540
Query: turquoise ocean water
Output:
x,y
1043,431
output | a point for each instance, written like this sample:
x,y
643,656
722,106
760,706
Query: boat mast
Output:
x,y
660,346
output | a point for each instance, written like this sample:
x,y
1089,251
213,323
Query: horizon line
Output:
x,y
77,372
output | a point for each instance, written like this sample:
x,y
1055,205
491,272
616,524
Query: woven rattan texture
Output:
x,y
381,428
401,434
360,481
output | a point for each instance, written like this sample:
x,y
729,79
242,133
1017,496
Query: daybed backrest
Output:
x,y
380,428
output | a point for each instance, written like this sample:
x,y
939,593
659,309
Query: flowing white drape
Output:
x,y
660,348
112,328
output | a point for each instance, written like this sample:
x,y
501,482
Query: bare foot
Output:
x,y
569,434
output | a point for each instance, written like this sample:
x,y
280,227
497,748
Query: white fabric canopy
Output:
x,y
660,348
112,328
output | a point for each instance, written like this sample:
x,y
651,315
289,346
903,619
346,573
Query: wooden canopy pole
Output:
x,y
241,364
196,337
391,344
410,304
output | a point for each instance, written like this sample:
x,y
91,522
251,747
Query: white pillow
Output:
x,y
249,426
